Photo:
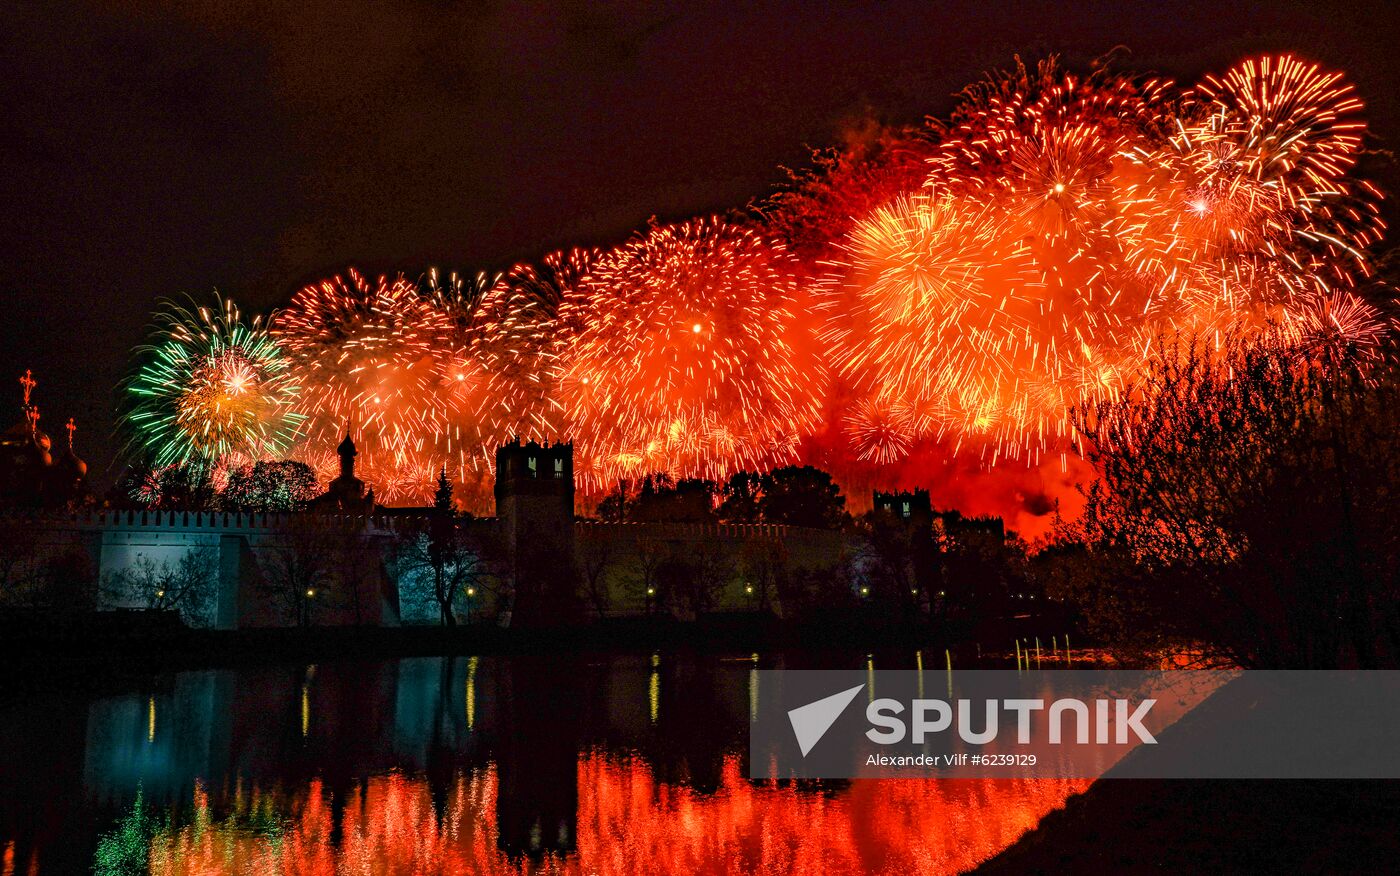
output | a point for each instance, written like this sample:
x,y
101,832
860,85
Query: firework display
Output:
x,y
959,286
210,387
686,354
388,361
1067,223
522,342
377,355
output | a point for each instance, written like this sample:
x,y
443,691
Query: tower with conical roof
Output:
x,y
346,493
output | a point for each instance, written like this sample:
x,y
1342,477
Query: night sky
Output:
x,y
152,149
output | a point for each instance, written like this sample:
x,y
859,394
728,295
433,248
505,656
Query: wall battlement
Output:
x,y
220,521
699,531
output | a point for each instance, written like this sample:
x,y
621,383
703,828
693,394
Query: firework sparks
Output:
x,y
374,356
1066,222
687,354
965,285
210,387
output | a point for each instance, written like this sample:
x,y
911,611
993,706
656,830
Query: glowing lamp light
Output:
x,y
310,593
471,591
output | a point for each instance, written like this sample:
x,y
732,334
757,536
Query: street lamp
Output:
x,y
471,592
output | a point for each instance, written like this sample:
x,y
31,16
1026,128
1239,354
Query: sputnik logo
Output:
x,y
810,722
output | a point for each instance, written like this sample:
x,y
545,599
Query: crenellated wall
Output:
x,y
736,555
243,550
240,548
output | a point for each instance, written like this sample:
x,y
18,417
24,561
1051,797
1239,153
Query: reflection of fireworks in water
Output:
x,y
686,354
210,386
627,822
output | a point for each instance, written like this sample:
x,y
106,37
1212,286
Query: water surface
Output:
x,y
622,764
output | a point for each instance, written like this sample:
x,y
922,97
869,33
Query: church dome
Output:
x,y
72,464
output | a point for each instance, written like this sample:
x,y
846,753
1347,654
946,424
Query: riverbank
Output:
x,y
1214,826
1129,825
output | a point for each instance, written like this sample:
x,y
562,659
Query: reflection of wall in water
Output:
x,y
41,783
441,706
161,741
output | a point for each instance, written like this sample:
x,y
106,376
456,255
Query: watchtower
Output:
x,y
912,506
915,510
535,507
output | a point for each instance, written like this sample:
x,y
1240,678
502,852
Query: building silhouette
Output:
x,y
535,524
346,494
31,476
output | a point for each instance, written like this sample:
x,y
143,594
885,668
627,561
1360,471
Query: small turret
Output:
x,y
347,453
346,494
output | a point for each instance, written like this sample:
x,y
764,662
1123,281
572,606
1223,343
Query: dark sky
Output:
x,y
151,149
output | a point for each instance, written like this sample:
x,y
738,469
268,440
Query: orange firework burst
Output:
x,y
686,353
467,392
1068,222
967,283
523,342
818,206
933,314
377,356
